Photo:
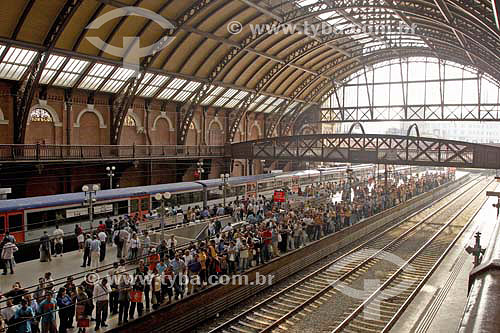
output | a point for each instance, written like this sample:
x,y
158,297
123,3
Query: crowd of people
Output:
x,y
147,275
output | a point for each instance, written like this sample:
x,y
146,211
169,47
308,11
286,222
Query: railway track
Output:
x,y
277,312
380,311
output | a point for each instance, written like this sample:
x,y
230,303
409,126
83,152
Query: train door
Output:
x,y
139,206
15,225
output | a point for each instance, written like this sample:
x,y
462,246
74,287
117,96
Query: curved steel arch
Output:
x,y
345,71
413,126
370,148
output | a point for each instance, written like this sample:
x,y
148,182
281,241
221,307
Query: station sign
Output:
x,y
279,196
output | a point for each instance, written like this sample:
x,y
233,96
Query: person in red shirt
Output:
x,y
101,227
266,248
153,259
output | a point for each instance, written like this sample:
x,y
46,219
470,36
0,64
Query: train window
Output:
x,y
16,223
214,194
134,205
37,220
2,224
144,204
121,207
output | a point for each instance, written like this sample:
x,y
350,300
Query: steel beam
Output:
x,y
370,148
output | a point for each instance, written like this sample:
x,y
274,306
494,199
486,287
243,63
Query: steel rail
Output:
x,y
452,219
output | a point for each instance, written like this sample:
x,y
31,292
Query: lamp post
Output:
x,y
224,178
90,193
110,174
162,197
199,169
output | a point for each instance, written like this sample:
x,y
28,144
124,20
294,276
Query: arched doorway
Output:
x,y
215,134
41,127
89,131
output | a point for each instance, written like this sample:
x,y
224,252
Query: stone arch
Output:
x,y
193,134
3,121
215,133
131,135
137,119
238,169
163,116
90,108
259,130
53,113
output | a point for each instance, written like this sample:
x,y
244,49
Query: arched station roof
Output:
x,y
286,54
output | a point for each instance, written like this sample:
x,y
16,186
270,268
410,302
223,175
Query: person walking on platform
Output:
x,y
45,248
102,238
95,251
58,235
86,251
8,250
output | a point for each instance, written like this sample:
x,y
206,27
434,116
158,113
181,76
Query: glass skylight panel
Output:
x,y
51,67
15,63
167,93
96,76
236,99
176,83
182,96
71,72
256,102
266,104
149,87
213,94
191,86
118,79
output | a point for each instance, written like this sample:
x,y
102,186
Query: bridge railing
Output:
x,y
51,152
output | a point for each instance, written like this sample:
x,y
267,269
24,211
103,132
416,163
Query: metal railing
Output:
x,y
52,152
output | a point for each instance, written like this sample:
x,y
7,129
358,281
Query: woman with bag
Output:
x,y
84,309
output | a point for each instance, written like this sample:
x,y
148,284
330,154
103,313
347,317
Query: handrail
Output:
x,y
55,152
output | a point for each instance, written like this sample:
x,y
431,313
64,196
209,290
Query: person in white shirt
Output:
x,y
100,294
95,251
125,237
172,242
134,247
102,238
8,311
227,228
58,235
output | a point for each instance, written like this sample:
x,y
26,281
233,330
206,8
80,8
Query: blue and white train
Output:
x,y
27,218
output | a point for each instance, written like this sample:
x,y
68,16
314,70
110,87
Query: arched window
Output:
x,y
129,121
40,115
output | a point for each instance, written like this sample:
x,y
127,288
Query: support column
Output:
x,y
250,167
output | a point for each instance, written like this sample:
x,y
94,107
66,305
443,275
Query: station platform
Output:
x,y
27,273
439,305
